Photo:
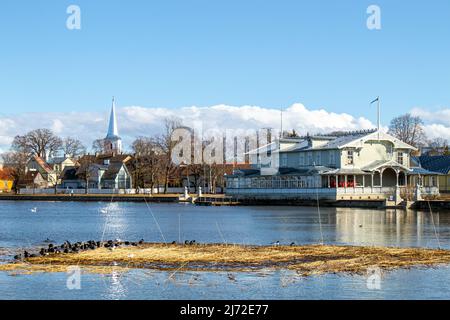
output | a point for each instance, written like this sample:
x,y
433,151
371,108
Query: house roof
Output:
x,y
357,139
58,160
112,170
89,160
422,171
439,164
349,171
29,177
375,165
41,162
347,140
341,141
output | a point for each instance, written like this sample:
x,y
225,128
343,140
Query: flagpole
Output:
x,y
281,122
379,116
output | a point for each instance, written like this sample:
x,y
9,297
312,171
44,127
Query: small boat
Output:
x,y
34,210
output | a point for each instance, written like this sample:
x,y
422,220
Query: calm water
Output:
x,y
60,221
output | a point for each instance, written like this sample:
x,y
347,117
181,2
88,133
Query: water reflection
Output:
x,y
115,223
114,284
387,228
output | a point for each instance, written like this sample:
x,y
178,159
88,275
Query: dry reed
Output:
x,y
306,260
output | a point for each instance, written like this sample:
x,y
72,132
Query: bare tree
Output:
x,y
147,157
40,142
85,171
290,134
16,163
439,146
408,129
98,146
73,147
166,146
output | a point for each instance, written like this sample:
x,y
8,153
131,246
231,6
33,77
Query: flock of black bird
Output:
x,y
68,247
77,247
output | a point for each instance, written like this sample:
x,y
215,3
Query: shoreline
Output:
x,y
91,198
443,204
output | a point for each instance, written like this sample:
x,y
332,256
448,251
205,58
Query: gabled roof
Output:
x,y
41,162
384,163
113,170
439,164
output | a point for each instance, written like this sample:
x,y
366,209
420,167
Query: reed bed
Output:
x,y
306,260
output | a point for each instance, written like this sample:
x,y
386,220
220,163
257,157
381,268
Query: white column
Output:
x,y
381,178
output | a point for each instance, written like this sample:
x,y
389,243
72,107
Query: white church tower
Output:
x,y
113,143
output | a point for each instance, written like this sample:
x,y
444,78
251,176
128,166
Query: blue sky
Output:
x,y
173,54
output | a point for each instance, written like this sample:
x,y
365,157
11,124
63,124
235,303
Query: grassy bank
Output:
x,y
306,260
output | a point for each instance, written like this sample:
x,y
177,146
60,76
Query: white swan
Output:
x,y
34,210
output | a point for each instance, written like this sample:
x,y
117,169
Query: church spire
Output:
x,y
113,131
113,143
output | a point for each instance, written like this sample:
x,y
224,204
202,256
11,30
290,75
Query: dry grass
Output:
x,y
306,260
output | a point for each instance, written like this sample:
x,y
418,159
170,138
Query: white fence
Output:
x,y
98,191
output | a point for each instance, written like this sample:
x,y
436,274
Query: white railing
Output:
x,y
429,190
366,190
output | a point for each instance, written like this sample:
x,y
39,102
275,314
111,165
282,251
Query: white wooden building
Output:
x,y
364,165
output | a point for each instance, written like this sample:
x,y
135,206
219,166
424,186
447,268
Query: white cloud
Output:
x,y
441,116
437,123
57,126
136,121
